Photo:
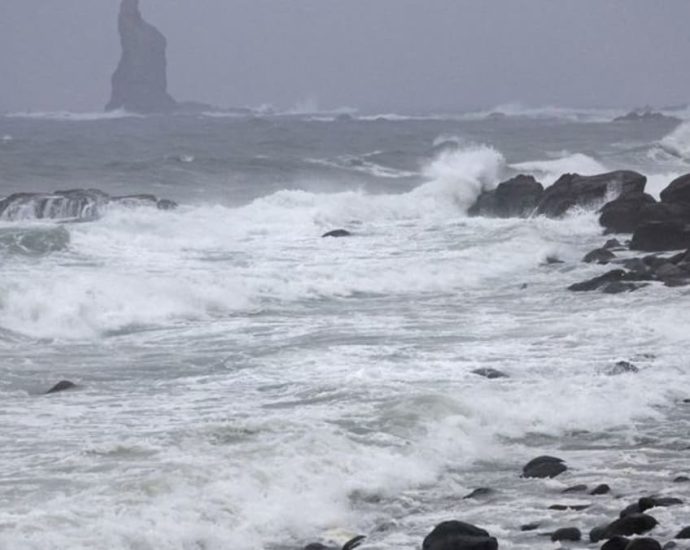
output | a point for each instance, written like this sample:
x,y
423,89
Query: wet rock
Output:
x,y
678,191
645,115
166,204
623,215
63,385
615,543
619,288
643,544
544,466
670,544
529,527
659,236
684,533
572,190
349,545
567,533
634,524
490,373
552,259
337,233
621,367
480,492
139,84
681,479
515,198
615,275
458,535
599,256
575,489
612,243
602,489
564,507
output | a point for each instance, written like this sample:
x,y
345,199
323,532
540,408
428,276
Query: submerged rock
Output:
x,y
567,533
63,385
139,84
479,492
349,545
634,524
490,373
458,535
544,466
572,190
575,489
337,233
599,256
515,198
601,489
621,367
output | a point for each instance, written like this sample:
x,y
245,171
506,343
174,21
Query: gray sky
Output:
x,y
375,55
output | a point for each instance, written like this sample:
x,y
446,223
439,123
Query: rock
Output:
x,y
670,544
612,243
618,288
645,115
681,479
490,373
667,270
337,233
622,215
596,283
602,489
529,527
567,533
634,524
678,191
166,204
643,544
585,191
552,259
544,466
621,367
575,489
684,533
640,506
564,507
515,198
599,255
480,492
662,502
615,543
140,82
458,535
63,385
349,545
658,236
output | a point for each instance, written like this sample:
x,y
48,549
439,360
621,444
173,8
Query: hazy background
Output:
x,y
375,55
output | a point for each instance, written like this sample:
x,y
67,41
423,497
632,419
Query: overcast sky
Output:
x,y
375,55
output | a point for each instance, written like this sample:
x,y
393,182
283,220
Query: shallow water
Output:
x,y
246,384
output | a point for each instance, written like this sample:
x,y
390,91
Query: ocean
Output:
x,y
245,384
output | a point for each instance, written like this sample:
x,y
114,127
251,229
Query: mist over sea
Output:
x,y
247,384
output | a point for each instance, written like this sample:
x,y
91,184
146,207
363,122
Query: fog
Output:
x,y
373,55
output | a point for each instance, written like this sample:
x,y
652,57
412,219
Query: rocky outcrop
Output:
x,y
74,204
571,190
645,115
678,191
140,83
661,235
515,198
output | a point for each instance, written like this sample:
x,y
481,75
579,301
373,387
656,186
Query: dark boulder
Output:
x,y
678,191
619,288
458,535
544,466
140,82
567,533
480,492
684,533
515,198
63,385
612,243
572,190
337,233
681,479
634,524
490,373
565,507
599,256
622,215
621,367
602,489
615,543
659,236
349,545
643,544
529,527
598,282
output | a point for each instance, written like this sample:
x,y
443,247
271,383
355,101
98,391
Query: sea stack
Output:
x,y
140,80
